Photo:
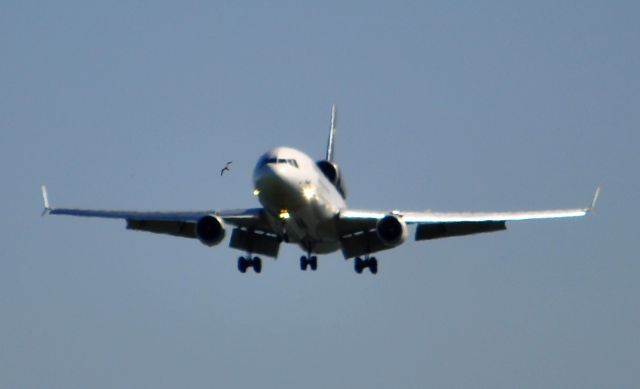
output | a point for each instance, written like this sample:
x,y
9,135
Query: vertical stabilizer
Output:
x,y
332,134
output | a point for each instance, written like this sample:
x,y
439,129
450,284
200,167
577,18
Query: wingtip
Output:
x,y
45,201
594,200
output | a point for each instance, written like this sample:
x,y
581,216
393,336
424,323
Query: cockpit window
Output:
x,y
265,161
262,162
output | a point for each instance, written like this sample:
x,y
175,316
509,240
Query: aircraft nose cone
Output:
x,y
275,191
265,176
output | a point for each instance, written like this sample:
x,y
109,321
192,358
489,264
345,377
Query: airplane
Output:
x,y
304,203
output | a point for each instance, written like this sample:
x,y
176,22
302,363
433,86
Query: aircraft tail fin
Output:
x,y
332,133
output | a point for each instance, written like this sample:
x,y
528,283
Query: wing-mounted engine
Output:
x,y
387,233
392,230
210,230
332,173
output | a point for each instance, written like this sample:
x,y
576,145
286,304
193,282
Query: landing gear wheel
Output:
x,y
358,265
257,264
303,263
373,265
313,262
242,265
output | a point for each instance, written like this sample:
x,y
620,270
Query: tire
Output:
x,y
313,262
358,265
373,265
242,265
257,264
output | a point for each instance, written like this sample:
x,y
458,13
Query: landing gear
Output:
x,y
311,262
308,260
257,265
373,265
368,262
245,263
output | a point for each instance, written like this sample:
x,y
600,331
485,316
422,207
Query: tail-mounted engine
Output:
x,y
392,230
332,173
210,230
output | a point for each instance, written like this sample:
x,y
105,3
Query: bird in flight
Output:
x,y
226,168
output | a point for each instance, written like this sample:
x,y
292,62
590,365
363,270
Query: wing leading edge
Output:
x,y
177,223
412,217
433,225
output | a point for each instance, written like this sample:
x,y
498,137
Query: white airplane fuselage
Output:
x,y
298,199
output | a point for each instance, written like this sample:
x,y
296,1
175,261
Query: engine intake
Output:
x,y
332,173
392,230
210,230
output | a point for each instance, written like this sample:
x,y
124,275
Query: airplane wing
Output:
x,y
412,217
176,223
434,225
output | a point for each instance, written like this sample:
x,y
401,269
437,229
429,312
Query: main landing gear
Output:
x,y
245,263
311,261
368,262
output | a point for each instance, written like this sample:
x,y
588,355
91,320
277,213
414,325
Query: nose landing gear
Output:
x,y
308,260
311,261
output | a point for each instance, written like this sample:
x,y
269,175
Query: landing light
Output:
x,y
284,214
308,192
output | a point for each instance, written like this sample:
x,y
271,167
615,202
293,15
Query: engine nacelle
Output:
x,y
392,230
210,230
332,173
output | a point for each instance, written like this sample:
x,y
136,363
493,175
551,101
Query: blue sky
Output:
x,y
442,105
